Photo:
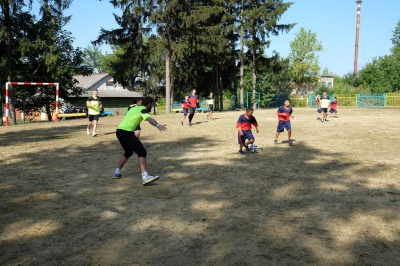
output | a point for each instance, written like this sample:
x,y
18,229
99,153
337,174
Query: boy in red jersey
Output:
x,y
244,129
194,100
185,108
284,115
334,105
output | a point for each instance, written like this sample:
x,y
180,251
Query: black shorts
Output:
x,y
130,143
211,107
325,110
93,117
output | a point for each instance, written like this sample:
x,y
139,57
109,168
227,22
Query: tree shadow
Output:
x,y
270,208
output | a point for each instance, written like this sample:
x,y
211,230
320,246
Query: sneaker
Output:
x,y
207,117
275,142
240,152
94,135
87,131
149,178
190,124
181,123
290,142
117,176
247,147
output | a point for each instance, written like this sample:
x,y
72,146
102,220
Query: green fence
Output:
x,y
362,100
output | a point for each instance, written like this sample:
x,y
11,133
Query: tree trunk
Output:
x,y
254,76
168,101
241,55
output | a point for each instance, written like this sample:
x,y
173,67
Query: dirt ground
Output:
x,y
333,198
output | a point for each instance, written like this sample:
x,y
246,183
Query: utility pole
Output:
x,y
357,35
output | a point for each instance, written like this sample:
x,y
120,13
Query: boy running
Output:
x,y
244,129
185,108
284,115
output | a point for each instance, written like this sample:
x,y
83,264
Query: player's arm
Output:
x,y
153,122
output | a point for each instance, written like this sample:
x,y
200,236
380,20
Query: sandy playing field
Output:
x,y
333,198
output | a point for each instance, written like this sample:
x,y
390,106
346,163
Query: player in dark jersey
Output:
x,y
194,100
284,115
243,125
185,108
334,105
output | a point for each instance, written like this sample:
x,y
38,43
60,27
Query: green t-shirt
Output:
x,y
93,110
133,118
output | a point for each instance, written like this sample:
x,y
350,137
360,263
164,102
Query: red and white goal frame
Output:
x,y
30,84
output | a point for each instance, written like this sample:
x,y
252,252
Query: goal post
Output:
x,y
30,84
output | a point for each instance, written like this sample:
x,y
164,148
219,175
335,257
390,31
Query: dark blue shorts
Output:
x,y
185,111
247,134
282,125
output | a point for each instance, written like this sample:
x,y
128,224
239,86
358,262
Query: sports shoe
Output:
x,y
149,178
207,117
290,142
181,123
275,142
94,135
247,147
117,176
190,124
87,131
240,152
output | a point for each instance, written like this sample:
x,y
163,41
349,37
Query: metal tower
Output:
x,y
357,35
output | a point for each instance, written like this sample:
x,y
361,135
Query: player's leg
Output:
x,y
95,121
279,129
241,140
192,110
126,140
89,124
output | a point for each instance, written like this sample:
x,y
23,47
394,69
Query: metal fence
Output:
x,y
362,100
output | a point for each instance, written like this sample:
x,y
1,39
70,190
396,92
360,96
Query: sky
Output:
x,y
333,22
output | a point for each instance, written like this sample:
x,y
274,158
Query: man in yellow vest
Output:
x,y
94,107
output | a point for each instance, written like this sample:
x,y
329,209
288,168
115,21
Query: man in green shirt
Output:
x,y
130,143
94,106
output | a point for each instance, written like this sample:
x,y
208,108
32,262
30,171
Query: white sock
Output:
x,y
144,174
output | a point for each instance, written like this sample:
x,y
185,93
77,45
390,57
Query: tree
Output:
x,y
94,58
11,11
130,70
304,65
258,23
396,40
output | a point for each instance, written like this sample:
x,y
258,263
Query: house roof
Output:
x,y
104,83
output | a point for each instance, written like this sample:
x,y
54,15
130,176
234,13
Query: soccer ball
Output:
x,y
253,148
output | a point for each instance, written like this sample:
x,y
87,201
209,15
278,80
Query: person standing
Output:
x,y
243,125
325,103
94,106
130,143
210,105
194,100
185,108
284,114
